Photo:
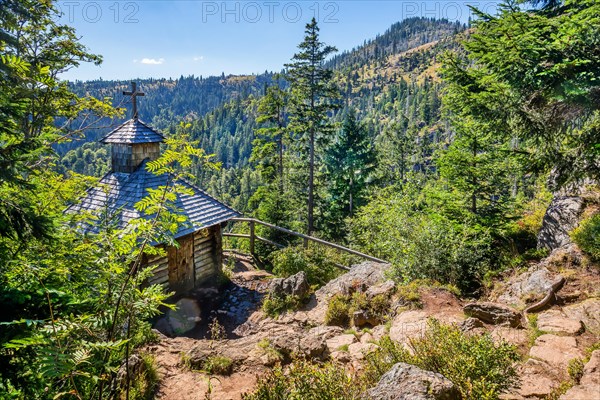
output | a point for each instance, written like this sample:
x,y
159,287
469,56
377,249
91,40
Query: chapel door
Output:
x,y
181,265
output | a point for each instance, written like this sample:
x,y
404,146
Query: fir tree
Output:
x,y
312,95
349,162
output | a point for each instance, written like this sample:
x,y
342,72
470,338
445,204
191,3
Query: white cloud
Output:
x,y
198,58
152,61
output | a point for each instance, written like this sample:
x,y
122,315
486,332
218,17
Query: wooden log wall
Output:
x,y
207,259
161,272
206,253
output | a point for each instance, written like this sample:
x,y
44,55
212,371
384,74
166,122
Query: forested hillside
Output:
x,y
396,88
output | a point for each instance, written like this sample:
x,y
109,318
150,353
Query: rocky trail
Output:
x,y
549,310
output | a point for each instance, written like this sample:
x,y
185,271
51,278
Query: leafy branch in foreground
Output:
x,y
93,303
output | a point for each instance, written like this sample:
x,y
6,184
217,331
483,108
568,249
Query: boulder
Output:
x,y
493,313
387,288
561,217
314,347
517,337
587,312
406,325
555,321
591,371
361,318
358,350
407,382
555,350
367,338
295,285
359,278
470,324
533,283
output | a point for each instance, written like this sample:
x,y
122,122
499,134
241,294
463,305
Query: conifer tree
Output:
x,y
349,162
312,98
534,74
267,148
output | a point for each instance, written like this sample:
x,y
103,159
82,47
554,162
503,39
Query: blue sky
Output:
x,y
169,38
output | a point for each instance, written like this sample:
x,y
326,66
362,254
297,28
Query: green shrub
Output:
x,y
479,368
218,365
274,306
558,392
318,266
422,245
338,311
448,252
575,369
273,354
587,236
305,380
142,388
340,308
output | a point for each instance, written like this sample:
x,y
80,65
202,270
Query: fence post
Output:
x,y
252,236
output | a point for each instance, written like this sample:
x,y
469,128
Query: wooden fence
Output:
x,y
253,237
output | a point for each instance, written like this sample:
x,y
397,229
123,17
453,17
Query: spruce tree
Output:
x,y
312,98
267,148
349,162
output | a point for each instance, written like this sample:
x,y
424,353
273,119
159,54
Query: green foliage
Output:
x,y
575,369
480,368
587,236
422,245
530,77
340,308
267,149
349,162
274,306
558,392
144,386
338,311
274,355
313,93
80,305
305,380
34,50
218,365
318,267
479,167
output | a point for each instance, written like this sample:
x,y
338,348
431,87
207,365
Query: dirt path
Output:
x,y
230,307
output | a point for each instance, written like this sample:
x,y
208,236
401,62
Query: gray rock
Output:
x,y
407,382
561,217
359,278
361,318
387,288
470,323
295,285
495,314
314,347
534,282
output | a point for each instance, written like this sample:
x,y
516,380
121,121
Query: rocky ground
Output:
x,y
550,311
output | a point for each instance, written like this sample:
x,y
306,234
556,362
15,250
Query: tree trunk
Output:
x,y
311,180
280,167
474,179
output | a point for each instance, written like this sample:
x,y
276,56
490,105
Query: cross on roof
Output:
x,y
134,93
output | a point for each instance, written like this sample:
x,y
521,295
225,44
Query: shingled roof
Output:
x,y
118,193
133,131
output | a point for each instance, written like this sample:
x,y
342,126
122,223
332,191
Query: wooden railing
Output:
x,y
253,237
